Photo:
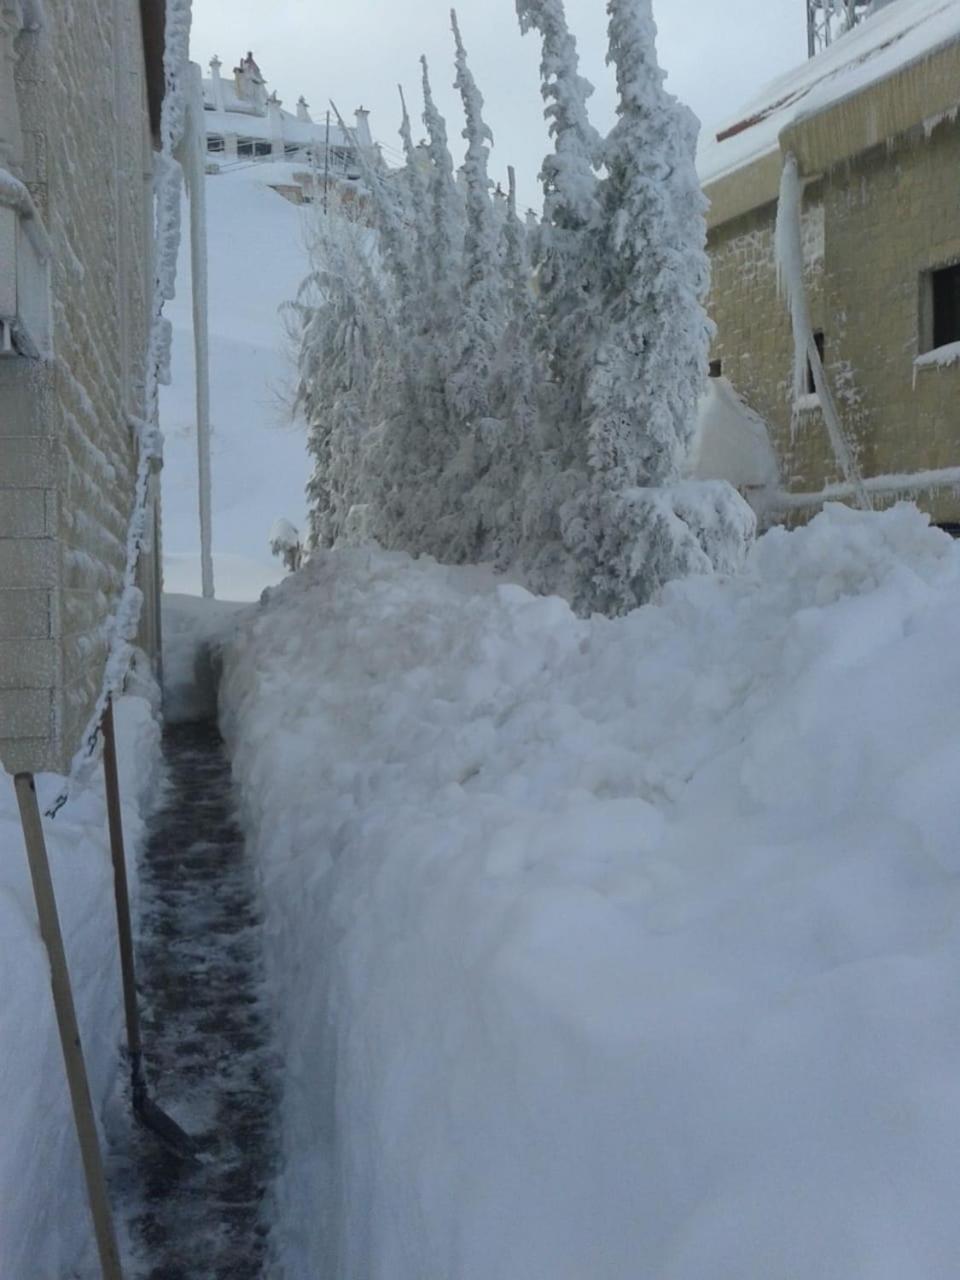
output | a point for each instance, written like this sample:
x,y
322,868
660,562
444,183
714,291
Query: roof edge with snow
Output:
x,y
876,96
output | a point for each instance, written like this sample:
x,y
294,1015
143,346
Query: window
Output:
x,y
24,282
818,343
214,142
244,146
716,368
945,299
262,149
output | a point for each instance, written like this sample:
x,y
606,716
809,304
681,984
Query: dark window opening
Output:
x,y
262,149
946,305
244,146
818,343
214,143
716,368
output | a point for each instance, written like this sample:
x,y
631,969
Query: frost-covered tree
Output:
x,y
481,312
652,356
569,173
566,266
649,364
482,389
476,475
446,233
338,324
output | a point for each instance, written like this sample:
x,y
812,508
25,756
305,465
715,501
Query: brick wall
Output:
x,y
872,226
66,448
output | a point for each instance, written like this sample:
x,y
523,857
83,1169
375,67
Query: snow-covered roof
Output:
x,y
902,33
304,132
732,442
243,118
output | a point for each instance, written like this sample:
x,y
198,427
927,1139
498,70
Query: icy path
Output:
x,y
206,1033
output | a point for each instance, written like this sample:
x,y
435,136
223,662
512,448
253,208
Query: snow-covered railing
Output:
x,y
903,484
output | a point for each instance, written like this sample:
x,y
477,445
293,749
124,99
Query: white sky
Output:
x,y
355,51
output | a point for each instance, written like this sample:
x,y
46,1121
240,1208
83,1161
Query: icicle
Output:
x,y
790,284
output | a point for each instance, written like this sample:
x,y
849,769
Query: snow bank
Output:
x,y
615,948
45,1225
193,630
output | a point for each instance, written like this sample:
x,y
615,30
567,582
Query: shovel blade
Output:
x,y
165,1128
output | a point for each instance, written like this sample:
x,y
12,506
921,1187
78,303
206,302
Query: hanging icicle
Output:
x,y
790,284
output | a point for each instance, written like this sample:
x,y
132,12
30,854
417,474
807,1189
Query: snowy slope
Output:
x,y
257,260
45,1229
902,33
615,949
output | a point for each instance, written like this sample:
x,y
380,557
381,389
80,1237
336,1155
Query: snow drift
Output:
x,y
45,1228
614,948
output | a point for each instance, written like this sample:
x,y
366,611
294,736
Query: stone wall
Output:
x,y
67,452
872,227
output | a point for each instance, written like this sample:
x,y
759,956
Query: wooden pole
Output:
x,y
122,896
67,1024
145,1109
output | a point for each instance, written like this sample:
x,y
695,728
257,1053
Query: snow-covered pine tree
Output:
x,y
649,364
568,174
516,375
481,311
475,338
447,215
339,322
566,267
404,498
418,218
426,383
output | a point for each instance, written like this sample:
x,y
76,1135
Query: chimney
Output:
x,y
303,110
276,123
216,84
251,86
362,129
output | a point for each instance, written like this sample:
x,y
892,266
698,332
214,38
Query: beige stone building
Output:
x,y
81,86
872,123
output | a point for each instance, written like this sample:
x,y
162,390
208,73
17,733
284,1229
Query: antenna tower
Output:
x,y
827,19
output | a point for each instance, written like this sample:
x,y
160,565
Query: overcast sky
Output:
x,y
356,51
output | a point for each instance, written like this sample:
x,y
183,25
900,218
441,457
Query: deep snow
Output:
x,y
45,1229
614,948
256,261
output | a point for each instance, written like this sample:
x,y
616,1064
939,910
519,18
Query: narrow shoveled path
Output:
x,y
206,1032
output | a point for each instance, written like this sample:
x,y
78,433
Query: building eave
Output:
x,y
915,94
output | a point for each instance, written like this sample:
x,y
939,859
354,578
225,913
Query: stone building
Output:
x,y
76,284
244,122
872,123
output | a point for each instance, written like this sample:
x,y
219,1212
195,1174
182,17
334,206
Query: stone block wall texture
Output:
x,y
67,453
873,226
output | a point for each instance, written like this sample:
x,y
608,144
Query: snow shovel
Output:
x,y
145,1109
